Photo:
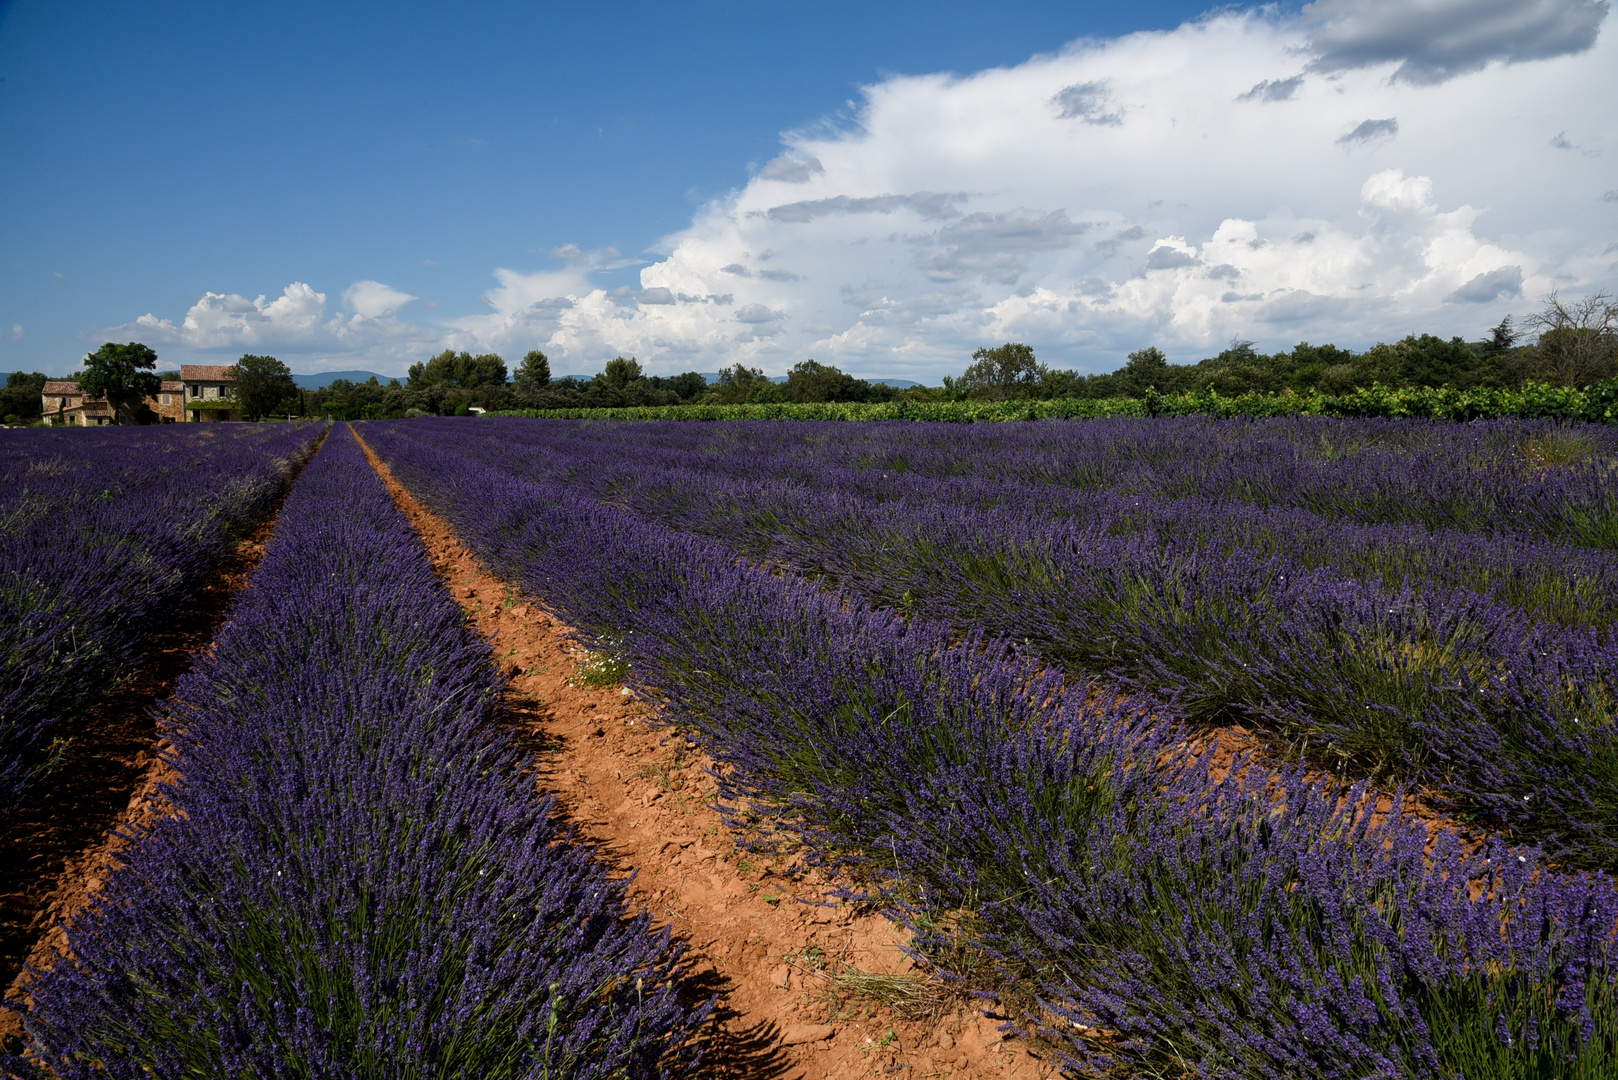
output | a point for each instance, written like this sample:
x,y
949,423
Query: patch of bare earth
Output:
x,y
807,990
68,836
1234,751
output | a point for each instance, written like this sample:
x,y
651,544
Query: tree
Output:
x,y
534,373
461,370
1309,365
619,373
1009,371
741,385
1424,360
813,381
263,383
123,374
1501,338
687,386
1578,341
739,375
20,400
1146,368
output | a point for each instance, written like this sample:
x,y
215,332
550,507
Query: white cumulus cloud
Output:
x,y
1366,170
1177,188
225,320
293,325
374,300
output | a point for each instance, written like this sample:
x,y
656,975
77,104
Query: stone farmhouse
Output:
x,y
63,402
201,394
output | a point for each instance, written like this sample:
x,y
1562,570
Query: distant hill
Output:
x,y
322,379
713,377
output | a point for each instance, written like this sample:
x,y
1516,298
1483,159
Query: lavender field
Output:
x,y
102,536
359,881
971,670
963,662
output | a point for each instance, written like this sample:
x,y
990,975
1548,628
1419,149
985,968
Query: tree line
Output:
x,y
1574,344
454,383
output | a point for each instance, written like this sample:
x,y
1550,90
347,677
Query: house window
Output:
x,y
196,391
166,400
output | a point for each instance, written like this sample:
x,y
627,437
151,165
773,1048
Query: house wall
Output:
x,y
169,403
198,390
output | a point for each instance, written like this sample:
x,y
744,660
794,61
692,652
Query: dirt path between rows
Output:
x,y
806,991
68,838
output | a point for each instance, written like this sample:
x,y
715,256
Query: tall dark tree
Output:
x,y
21,396
619,372
1501,338
124,374
263,383
534,373
459,369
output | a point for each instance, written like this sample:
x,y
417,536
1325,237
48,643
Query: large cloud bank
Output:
x,y
1371,168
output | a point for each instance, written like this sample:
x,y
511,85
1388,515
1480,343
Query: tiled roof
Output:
x,y
206,373
60,387
171,387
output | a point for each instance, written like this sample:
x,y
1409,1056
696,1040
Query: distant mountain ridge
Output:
x,y
713,377
322,379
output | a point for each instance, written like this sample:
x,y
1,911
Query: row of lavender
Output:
x,y
1473,504
1481,663
102,535
1485,476
361,880
1261,927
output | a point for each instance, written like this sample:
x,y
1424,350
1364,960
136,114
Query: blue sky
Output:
x,y
885,187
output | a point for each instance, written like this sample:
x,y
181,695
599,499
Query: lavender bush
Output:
x,y
1490,477
361,881
1260,927
1404,671
1271,928
102,534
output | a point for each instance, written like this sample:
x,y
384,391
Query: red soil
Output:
x,y
1242,749
640,794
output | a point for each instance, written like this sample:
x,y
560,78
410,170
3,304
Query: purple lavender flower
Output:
x,y
361,881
